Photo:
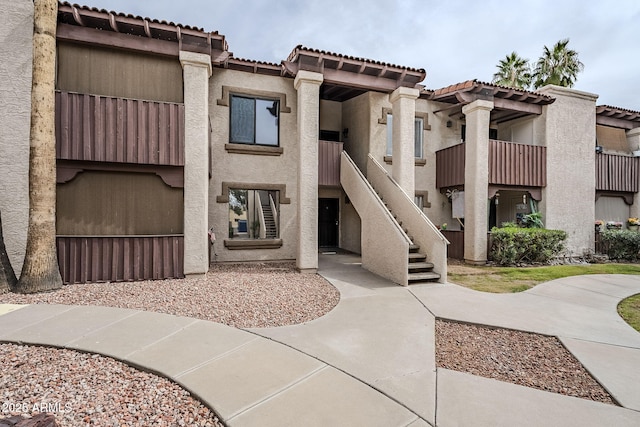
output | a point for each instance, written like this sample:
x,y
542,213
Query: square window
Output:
x,y
253,214
418,136
254,121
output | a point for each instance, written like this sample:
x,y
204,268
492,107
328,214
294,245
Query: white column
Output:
x,y
308,86
196,70
403,104
476,180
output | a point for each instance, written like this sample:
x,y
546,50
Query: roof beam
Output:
x,y
616,123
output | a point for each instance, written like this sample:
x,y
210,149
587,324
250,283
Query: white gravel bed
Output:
x,y
522,358
101,391
83,389
238,295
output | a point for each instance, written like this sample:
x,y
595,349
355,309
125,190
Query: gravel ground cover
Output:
x,y
83,389
238,295
102,391
522,358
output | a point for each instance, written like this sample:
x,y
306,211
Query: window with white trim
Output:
x,y
254,121
418,136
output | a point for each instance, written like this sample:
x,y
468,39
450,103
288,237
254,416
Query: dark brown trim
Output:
x,y
418,162
67,170
244,244
534,192
627,197
257,150
227,91
93,37
282,188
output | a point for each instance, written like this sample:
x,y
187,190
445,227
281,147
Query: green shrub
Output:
x,y
621,244
533,220
512,246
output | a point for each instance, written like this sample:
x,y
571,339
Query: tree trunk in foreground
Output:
x,y
7,275
40,270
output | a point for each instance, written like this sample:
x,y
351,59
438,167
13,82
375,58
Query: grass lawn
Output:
x,y
629,310
518,279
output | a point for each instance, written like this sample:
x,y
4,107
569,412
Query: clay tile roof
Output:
x,y
300,48
447,94
101,19
618,117
128,15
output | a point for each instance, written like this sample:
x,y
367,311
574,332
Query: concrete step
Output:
x,y
417,257
416,267
423,277
414,248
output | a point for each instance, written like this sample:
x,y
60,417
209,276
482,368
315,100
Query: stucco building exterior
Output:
x,y
165,139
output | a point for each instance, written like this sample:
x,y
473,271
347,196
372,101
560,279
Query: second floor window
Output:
x,y
418,136
254,121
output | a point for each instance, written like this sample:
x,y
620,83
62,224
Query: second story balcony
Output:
x,y
509,163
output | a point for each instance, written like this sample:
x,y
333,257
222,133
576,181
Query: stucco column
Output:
x,y
476,180
308,86
403,104
15,110
196,70
633,138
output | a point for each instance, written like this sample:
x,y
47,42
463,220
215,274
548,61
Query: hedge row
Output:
x,y
621,244
514,245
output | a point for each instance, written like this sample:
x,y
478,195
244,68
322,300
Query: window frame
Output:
x,y
232,96
418,122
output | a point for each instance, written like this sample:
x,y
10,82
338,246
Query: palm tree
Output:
x,y
557,66
513,71
40,270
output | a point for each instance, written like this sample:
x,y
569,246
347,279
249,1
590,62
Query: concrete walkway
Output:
x,y
370,361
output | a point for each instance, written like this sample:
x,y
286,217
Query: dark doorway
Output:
x,y
328,222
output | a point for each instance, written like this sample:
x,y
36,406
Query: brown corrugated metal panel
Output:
x,y
455,250
118,73
450,166
329,163
104,129
616,173
120,258
517,164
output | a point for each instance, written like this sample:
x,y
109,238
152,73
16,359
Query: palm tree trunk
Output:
x,y
7,275
40,270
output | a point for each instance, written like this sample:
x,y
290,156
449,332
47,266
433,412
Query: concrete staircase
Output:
x,y
269,221
420,270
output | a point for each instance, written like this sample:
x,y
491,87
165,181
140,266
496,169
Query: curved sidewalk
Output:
x,y
371,360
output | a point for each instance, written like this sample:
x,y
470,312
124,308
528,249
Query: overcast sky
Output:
x,y
453,40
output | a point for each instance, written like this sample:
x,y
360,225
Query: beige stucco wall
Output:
x,y
251,168
356,117
439,136
15,108
330,115
568,199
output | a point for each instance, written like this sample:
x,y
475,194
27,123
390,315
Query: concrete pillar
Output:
x,y
403,104
476,180
569,134
633,138
307,84
196,70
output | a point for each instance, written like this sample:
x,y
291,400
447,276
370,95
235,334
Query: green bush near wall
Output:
x,y
514,245
621,244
